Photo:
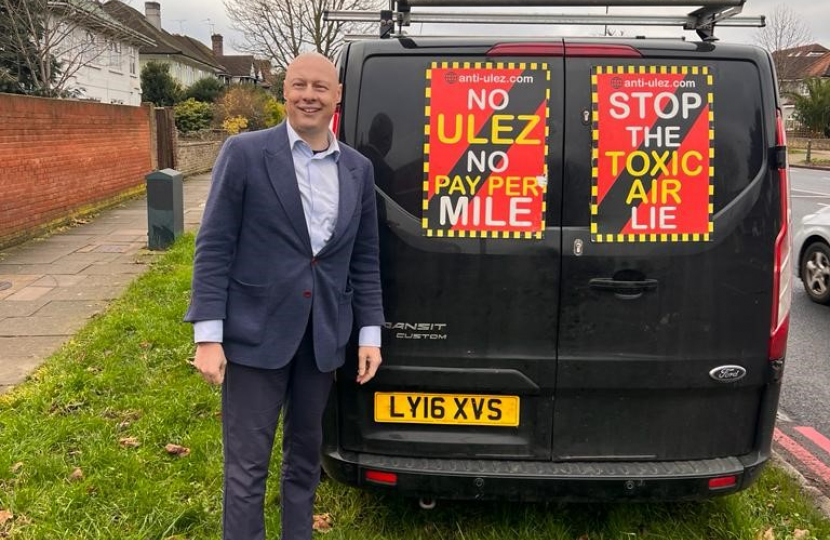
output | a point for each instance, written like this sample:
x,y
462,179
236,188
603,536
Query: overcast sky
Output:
x,y
194,17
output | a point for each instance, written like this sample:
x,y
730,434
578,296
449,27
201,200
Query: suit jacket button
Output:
x,y
307,294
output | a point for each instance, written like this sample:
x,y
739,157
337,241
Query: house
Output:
x,y
98,55
796,65
266,72
239,69
189,59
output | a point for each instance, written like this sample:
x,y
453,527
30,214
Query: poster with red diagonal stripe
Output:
x,y
486,148
653,154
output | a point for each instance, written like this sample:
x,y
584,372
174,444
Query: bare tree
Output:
x,y
785,30
53,39
282,29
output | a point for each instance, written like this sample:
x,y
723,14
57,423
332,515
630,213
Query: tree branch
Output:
x,y
282,29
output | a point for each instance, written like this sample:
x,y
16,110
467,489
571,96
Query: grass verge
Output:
x,y
82,455
820,158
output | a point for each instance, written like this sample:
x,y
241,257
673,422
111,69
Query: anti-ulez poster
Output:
x,y
485,151
653,152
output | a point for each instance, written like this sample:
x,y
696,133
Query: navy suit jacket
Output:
x,y
254,266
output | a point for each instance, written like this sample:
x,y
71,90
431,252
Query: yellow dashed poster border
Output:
x,y
542,67
607,238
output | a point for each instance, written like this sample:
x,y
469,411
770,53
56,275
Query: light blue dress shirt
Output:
x,y
317,179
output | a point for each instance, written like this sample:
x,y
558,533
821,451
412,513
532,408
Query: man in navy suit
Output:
x,y
286,262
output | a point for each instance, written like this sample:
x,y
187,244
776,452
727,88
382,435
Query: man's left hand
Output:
x,y
368,362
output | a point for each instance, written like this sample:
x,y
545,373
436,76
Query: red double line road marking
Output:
x,y
803,455
818,439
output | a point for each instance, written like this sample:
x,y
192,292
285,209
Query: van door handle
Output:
x,y
623,287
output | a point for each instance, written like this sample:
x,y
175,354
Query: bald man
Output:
x,y
286,265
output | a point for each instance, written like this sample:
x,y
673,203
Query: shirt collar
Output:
x,y
294,140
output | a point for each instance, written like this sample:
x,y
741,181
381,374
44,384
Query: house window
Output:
x,y
115,55
133,61
89,52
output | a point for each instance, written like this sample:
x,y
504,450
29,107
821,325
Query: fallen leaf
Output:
x,y
130,415
322,523
129,442
177,450
769,534
67,408
123,425
16,467
5,516
801,534
76,475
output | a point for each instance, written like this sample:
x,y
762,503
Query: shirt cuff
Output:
x,y
369,336
208,331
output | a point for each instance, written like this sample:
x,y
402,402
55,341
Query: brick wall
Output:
x,y
195,155
58,158
815,144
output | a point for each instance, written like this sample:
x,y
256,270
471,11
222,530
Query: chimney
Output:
x,y
152,11
218,45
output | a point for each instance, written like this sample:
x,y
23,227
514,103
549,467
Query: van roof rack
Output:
x,y
702,20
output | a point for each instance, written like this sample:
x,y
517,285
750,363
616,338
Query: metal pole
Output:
x,y
809,150
605,32
540,18
578,3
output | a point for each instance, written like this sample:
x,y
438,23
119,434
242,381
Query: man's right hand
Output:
x,y
210,361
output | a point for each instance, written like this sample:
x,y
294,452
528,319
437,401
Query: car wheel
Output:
x,y
815,272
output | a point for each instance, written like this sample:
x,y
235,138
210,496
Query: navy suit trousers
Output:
x,y
252,399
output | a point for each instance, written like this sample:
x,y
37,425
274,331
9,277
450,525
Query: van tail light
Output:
x,y
723,482
335,121
783,270
380,477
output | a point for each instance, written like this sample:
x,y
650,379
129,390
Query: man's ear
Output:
x,y
339,93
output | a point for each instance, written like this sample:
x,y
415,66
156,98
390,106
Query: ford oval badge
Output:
x,y
728,374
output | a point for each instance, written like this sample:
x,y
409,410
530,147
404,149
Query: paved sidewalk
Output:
x,y
50,287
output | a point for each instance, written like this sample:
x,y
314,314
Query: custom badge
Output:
x,y
485,150
653,152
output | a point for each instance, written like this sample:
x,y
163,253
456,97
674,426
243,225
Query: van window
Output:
x,y
739,129
740,140
390,126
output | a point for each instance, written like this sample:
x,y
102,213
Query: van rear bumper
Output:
x,y
538,481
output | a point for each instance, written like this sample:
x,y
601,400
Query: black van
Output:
x,y
603,317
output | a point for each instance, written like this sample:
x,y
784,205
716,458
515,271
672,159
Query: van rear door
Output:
x,y
665,321
470,345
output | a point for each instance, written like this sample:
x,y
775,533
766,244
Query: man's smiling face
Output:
x,y
312,93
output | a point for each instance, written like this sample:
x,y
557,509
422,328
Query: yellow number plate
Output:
x,y
457,409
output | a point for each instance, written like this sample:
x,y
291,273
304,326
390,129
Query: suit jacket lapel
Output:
x,y
280,165
347,200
